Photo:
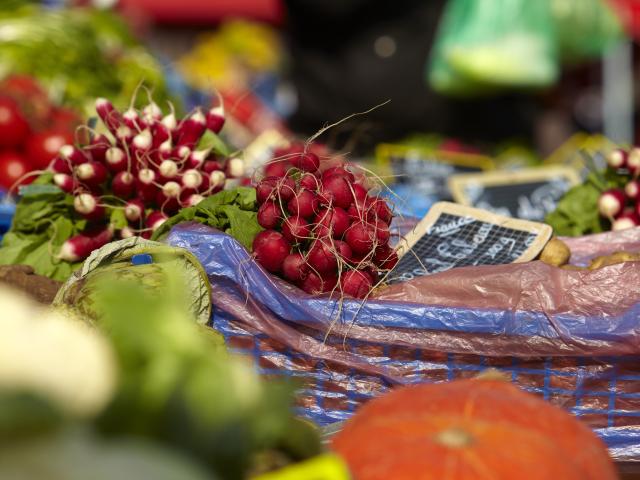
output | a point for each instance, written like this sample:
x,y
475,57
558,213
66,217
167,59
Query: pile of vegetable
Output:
x,y
32,129
141,391
608,200
324,231
124,182
77,53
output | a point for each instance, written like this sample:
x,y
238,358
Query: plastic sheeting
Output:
x,y
571,336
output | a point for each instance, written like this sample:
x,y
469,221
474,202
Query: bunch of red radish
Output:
x,y
32,129
324,231
622,205
147,164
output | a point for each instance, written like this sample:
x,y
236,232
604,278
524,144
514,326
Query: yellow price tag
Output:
x,y
322,467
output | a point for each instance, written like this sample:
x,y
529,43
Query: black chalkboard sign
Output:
x,y
453,235
529,194
427,170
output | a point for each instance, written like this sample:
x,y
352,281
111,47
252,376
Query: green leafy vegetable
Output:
x,y
232,211
577,212
42,223
213,141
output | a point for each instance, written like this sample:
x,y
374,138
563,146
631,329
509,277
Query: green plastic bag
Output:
x,y
486,45
585,28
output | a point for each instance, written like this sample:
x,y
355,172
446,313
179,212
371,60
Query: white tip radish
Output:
x,y
73,155
151,113
116,159
143,140
146,176
80,246
611,203
61,165
632,189
215,119
155,219
127,232
633,160
168,169
134,210
197,158
91,173
193,200
192,178
617,158
182,153
131,119
626,220
170,122
108,114
87,206
123,184
64,182
191,129
171,190
234,167
217,179
124,134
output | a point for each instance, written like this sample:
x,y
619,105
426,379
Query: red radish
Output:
x,y
193,200
160,134
108,114
191,129
294,267
322,257
197,158
355,284
42,147
164,150
310,182
234,168
617,158
356,213
611,203
212,166
382,231
359,194
60,165
338,172
134,210
277,168
215,119
265,188
13,167
315,284
379,210
296,229
286,189
155,219
123,185
217,181
344,250
91,173
632,189
71,153
269,215
261,238
303,204
168,169
64,182
625,220
115,159
360,237
372,274
307,162
336,191
334,221
14,128
633,161
270,250
87,206
79,247
385,257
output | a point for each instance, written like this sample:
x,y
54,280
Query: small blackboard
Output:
x,y
453,235
529,194
427,170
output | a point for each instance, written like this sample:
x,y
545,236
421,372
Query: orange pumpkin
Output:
x,y
476,429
